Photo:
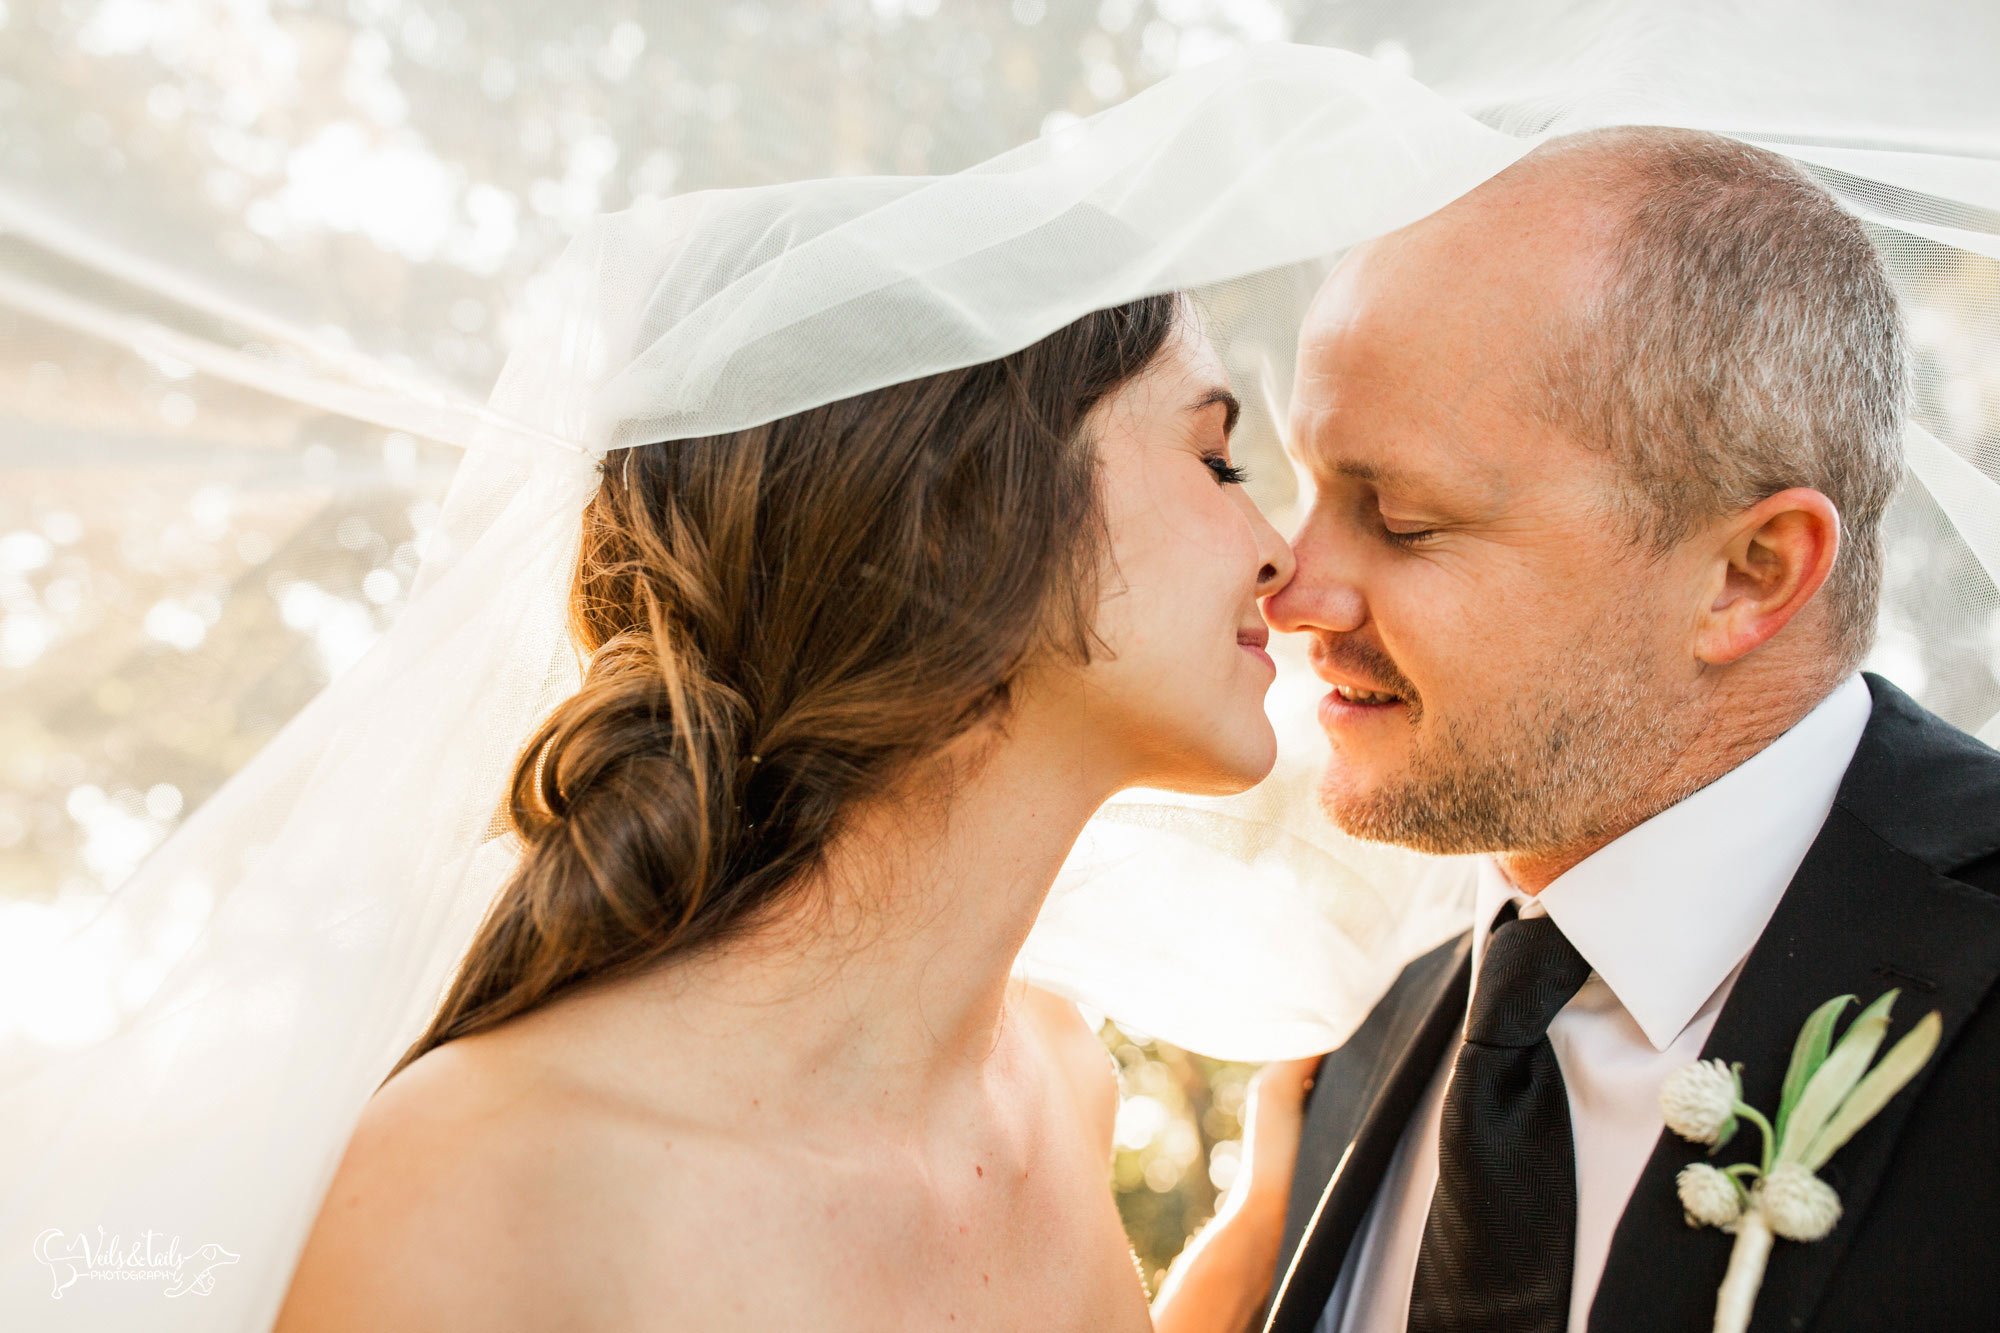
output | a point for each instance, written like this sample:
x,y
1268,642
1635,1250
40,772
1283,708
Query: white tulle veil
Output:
x,y
193,1054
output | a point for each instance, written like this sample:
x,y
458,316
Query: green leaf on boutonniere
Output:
x,y
1835,1078
1808,1054
1870,1095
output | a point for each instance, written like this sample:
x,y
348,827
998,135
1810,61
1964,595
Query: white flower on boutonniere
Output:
x,y
1708,1196
1700,1102
1830,1092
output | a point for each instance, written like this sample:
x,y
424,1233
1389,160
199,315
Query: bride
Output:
x,y
736,1045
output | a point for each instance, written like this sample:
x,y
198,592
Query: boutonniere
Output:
x,y
1830,1092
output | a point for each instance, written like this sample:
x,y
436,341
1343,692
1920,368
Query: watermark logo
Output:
x,y
150,1258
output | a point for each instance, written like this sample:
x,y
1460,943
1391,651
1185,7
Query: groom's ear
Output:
x,y
1768,562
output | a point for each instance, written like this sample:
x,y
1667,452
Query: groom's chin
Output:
x,y
1349,801
1377,810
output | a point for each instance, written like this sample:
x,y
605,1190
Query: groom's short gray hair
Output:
x,y
1746,340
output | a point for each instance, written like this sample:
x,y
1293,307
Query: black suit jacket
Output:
x,y
1901,888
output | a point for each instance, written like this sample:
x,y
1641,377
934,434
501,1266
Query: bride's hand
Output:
x,y
1222,1277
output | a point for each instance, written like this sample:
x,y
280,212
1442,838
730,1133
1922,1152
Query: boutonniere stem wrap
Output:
x,y
1830,1093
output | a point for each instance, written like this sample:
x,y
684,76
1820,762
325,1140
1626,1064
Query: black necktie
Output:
x,y
1501,1236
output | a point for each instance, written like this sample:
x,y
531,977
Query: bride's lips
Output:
x,y
1256,643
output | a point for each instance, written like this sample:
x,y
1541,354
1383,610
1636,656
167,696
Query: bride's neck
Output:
x,y
887,971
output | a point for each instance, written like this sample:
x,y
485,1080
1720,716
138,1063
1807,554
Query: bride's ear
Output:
x,y
1771,560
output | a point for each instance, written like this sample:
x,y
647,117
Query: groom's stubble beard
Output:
x,y
1576,761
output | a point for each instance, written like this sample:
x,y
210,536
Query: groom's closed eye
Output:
x,y
1404,532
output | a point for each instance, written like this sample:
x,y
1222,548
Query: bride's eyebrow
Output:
x,y
1232,409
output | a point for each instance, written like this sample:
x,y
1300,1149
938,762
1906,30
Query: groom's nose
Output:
x,y
1320,595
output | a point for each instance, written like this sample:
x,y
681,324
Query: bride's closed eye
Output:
x,y
1225,471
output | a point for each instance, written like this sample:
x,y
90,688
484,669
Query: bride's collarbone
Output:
x,y
994,1201
719,1200
885,1236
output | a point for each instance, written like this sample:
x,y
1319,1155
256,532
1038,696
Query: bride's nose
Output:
x,y
1279,564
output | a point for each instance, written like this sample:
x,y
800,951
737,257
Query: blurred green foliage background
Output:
x,y
1179,1129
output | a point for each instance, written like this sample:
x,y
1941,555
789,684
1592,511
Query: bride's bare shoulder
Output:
x,y
414,1231
469,1185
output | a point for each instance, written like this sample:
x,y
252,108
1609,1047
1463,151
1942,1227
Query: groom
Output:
x,y
1600,454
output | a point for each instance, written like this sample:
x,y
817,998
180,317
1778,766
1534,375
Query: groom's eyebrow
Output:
x,y
1409,481
1232,409
1373,473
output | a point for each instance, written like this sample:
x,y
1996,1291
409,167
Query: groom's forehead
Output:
x,y
1370,387
1399,366
1471,286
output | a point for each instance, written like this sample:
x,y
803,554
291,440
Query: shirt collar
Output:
x,y
1668,910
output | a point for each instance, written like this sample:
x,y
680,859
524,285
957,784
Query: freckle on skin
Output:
x,y
981,1170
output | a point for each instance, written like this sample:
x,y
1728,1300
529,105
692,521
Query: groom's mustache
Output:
x,y
1362,664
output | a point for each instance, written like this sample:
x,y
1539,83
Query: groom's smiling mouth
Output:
x,y
1348,703
1352,669
1349,706
1356,696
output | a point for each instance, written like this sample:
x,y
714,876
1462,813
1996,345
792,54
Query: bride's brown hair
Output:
x,y
782,620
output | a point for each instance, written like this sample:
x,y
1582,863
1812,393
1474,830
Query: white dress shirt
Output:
x,y
1665,915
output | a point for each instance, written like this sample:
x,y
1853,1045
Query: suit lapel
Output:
x,y
1862,915
1362,1100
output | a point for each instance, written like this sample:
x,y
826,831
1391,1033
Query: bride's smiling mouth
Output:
x,y
1256,642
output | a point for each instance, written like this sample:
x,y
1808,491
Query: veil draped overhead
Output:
x,y
190,1054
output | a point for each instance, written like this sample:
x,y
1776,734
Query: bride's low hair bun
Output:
x,y
780,622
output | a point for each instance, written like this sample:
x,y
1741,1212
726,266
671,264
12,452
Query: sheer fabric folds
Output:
x,y
203,1045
